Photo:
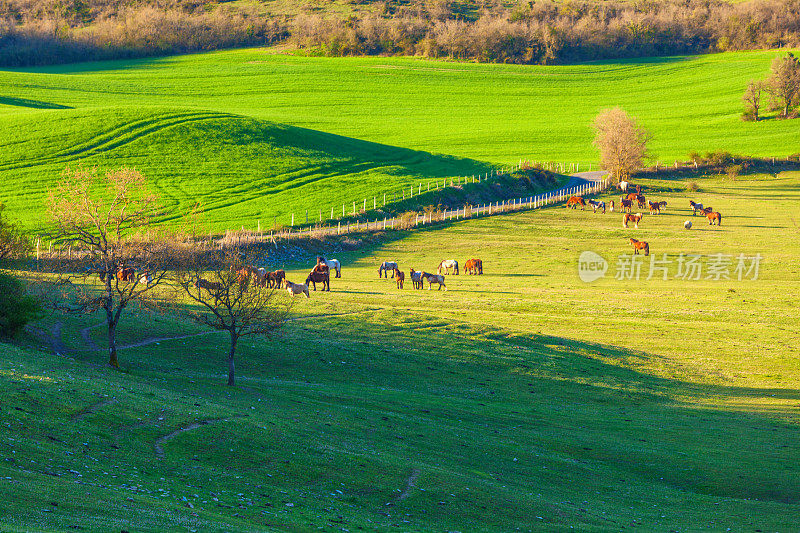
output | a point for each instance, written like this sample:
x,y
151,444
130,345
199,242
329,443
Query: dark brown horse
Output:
x,y
320,277
400,277
275,279
625,204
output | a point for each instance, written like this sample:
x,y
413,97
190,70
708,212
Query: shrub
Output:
x,y
733,171
692,186
17,307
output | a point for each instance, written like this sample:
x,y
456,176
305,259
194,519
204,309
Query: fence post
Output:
x,y
412,192
292,224
339,228
354,208
384,199
365,205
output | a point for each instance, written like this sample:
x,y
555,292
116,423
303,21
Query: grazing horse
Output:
x,y
126,273
275,279
631,196
244,275
333,264
626,204
623,186
447,264
386,267
315,277
474,266
697,207
612,206
598,204
640,201
576,201
400,277
416,278
434,278
656,207
627,217
713,216
146,278
210,286
707,211
297,288
640,245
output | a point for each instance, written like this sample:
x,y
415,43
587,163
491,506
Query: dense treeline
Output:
x,y
37,32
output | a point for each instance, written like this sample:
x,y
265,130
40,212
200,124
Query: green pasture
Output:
x,y
523,398
256,135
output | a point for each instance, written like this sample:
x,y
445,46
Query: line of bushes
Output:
x,y
531,32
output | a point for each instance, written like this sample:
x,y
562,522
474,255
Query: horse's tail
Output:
x,y
719,219
647,248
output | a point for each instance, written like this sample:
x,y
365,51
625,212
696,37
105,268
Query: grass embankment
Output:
x,y
241,131
520,398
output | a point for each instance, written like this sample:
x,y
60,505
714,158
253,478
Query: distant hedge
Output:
x,y
540,32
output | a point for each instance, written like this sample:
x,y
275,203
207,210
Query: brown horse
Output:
x,y
625,204
714,217
632,196
320,277
576,201
640,201
640,245
275,279
210,286
400,277
244,275
656,207
627,217
474,266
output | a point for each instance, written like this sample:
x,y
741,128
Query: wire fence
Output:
x,y
415,219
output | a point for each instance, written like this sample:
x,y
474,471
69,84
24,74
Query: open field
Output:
x,y
257,135
523,398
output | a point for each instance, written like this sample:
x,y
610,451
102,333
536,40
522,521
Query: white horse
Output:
x,y
296,288
146,278
386,267
623,186
447,264
434,278
333,264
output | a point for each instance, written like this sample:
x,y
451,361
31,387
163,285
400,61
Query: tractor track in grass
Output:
x,y
118,137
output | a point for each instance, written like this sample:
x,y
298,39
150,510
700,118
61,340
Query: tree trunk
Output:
x,y
231,369
112,343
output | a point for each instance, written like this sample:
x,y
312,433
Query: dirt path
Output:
x,y
159,444
92,409
410,484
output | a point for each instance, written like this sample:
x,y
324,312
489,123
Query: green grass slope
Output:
x,y
233,125
523,398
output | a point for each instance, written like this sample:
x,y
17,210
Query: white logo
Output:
x,y
591,266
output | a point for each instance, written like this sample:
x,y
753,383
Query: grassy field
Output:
x,y
257,135
523,398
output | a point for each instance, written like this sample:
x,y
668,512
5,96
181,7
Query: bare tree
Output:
x,y
225,295
784,84
105,261
621,141
752,99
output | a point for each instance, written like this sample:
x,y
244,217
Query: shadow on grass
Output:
x,y
35,104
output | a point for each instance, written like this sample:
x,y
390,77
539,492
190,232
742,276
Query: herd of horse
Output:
x,y
655,208
626,204
418,277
